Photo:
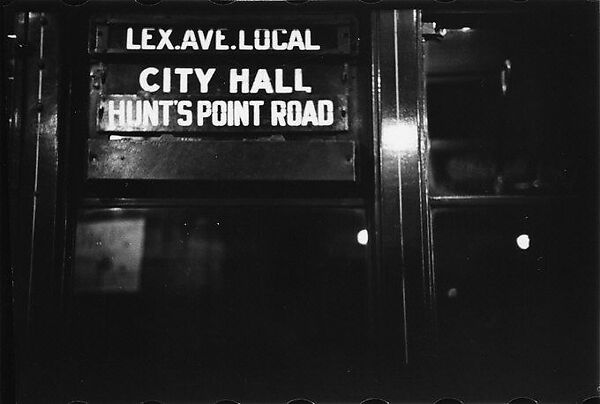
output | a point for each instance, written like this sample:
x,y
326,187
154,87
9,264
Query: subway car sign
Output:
x,y
216,39
232,79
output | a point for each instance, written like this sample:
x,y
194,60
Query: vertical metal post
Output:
x,y
402,225
34,134
6,278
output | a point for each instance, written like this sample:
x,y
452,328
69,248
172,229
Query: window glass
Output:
x,y
258,289
503,102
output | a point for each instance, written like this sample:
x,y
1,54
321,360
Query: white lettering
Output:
x,y
203,111
325,111
205,38
165,104
166,87
242,41
129,42
278,113
308,40
256,111
219,38
150,114
236,78
295,40
183,73
147,37
144,80
204,78
298,82
277,39
164,39
294,113
112,111
189,40
279,87
262,81
183,108
298,113
138,113
309,116
219,115
276,44
266,36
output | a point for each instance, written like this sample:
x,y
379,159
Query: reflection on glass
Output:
x,y
233,275
183,255
108,255
362,237
227,293
523,241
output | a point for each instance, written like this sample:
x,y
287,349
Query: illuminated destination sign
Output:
x,y
277,39
216,98
331,36
232,80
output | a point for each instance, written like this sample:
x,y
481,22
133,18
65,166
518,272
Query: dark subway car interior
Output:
x,y
376,202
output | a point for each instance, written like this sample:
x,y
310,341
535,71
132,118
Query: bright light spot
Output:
x,y
362,237
11,36
399,137
465,29
523,241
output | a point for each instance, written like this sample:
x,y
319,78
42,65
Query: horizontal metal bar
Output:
x,y
471,200
219,202
222,160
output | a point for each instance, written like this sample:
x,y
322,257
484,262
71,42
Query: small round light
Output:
x,y
362,237
523,241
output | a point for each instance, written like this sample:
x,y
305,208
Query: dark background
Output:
x,y
289,310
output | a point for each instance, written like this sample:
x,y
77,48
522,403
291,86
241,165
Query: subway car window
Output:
x,y
279,201
498,121
221,291
511,195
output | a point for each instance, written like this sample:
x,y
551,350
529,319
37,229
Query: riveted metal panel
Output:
x,y
222,160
